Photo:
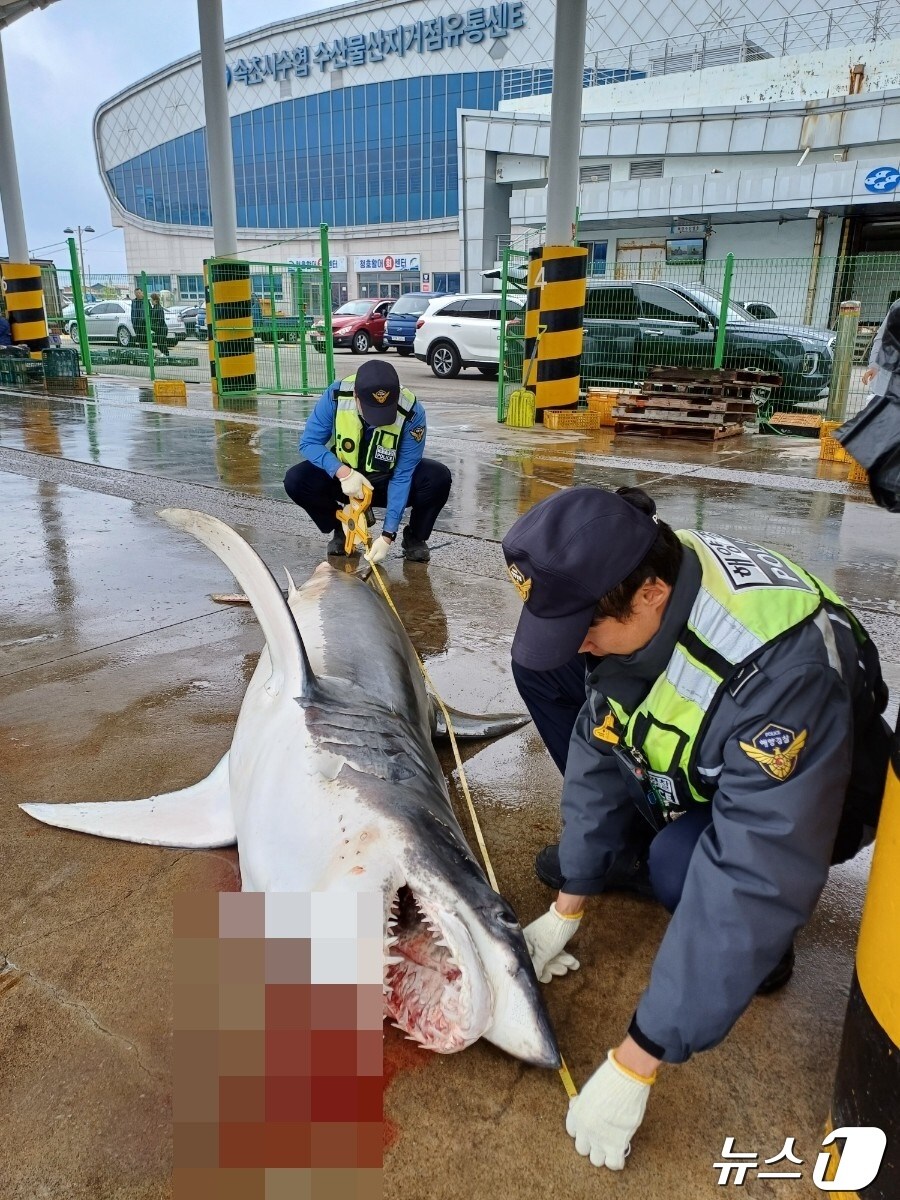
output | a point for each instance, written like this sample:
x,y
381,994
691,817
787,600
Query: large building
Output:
x,y
419,133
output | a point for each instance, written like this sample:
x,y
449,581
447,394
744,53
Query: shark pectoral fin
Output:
x,y
197,817
472,726
291,671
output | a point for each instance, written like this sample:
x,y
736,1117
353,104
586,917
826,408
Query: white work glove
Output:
x,y
607,1113
353,484
546,939
378,551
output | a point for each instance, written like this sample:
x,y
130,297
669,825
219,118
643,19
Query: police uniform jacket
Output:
x,y
759,867
318,436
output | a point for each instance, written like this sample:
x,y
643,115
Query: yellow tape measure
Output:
x,y
564,1075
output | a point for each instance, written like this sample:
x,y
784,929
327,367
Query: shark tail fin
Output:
x,y
196,818
291,670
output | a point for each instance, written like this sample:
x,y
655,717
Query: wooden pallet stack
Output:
x,y
692,402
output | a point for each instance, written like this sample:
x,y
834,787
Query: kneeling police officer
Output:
x,y
716,712
367,429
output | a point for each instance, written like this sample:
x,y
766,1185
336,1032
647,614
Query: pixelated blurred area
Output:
x,y
278,1088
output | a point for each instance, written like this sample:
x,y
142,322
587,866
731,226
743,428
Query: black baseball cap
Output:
x,y
377,388
563,556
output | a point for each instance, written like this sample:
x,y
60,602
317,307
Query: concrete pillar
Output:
x,y
21,280
563,274
229,320
10,194
218,127
565,120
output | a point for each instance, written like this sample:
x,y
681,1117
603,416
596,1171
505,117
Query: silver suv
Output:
x,y
464,331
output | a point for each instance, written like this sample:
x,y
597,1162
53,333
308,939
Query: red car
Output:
x,y
358,324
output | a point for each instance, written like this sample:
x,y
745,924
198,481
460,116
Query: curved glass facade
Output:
x,y
365,155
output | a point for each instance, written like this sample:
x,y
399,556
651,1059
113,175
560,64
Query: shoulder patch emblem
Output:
x,y
776,749
417,434
522,585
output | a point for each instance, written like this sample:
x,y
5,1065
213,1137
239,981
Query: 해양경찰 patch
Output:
x,y
776,749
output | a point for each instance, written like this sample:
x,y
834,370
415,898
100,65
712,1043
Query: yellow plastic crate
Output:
x,y
857,474
567,418
169,389
604,400
829,448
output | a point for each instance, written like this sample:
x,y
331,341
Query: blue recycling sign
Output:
x,y
882,179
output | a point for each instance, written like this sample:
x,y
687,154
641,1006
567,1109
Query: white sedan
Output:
x,y
110,321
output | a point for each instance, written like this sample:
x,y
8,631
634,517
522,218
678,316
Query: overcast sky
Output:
x,y
62,63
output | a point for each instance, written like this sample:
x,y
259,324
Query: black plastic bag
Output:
x,y
873,438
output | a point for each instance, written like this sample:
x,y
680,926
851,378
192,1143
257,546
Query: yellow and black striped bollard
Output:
x,y
230,323
867,1087
25,305
558,367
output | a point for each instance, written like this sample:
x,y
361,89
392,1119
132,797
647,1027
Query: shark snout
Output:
x,y
521,1025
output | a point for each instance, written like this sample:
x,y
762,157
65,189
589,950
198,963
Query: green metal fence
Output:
x,y
290,318
166,335
775,315
160,338
513,290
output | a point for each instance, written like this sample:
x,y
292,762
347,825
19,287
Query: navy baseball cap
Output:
x,y
377,388
563,556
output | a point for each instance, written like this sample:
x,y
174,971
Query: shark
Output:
x,y
332,782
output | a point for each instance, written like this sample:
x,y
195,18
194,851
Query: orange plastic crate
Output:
x,y
829,448
170,389
566,418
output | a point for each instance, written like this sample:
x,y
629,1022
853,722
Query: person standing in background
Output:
x,y
138,323
873,436
158,327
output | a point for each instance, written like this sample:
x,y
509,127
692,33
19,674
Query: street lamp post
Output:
x,y
81,229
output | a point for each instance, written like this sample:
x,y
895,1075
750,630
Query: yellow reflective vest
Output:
x,y
748,598
381,454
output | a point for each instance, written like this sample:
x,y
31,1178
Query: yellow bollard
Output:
x,y
557,378
867,1087
25,305
232,351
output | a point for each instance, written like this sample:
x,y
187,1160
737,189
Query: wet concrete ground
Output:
x,y
120,678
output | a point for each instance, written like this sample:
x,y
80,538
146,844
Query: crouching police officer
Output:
x,y
367,429
715,710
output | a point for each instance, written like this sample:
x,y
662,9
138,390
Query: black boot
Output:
x,y
413,549
628,872
779,975
336,545
546,867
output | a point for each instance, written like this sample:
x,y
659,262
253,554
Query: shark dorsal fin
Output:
x,y
291,671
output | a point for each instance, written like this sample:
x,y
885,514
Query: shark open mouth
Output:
x,y
427,992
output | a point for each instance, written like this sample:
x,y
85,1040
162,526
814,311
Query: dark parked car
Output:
x,y
629,327
188,314
358,324
400,327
